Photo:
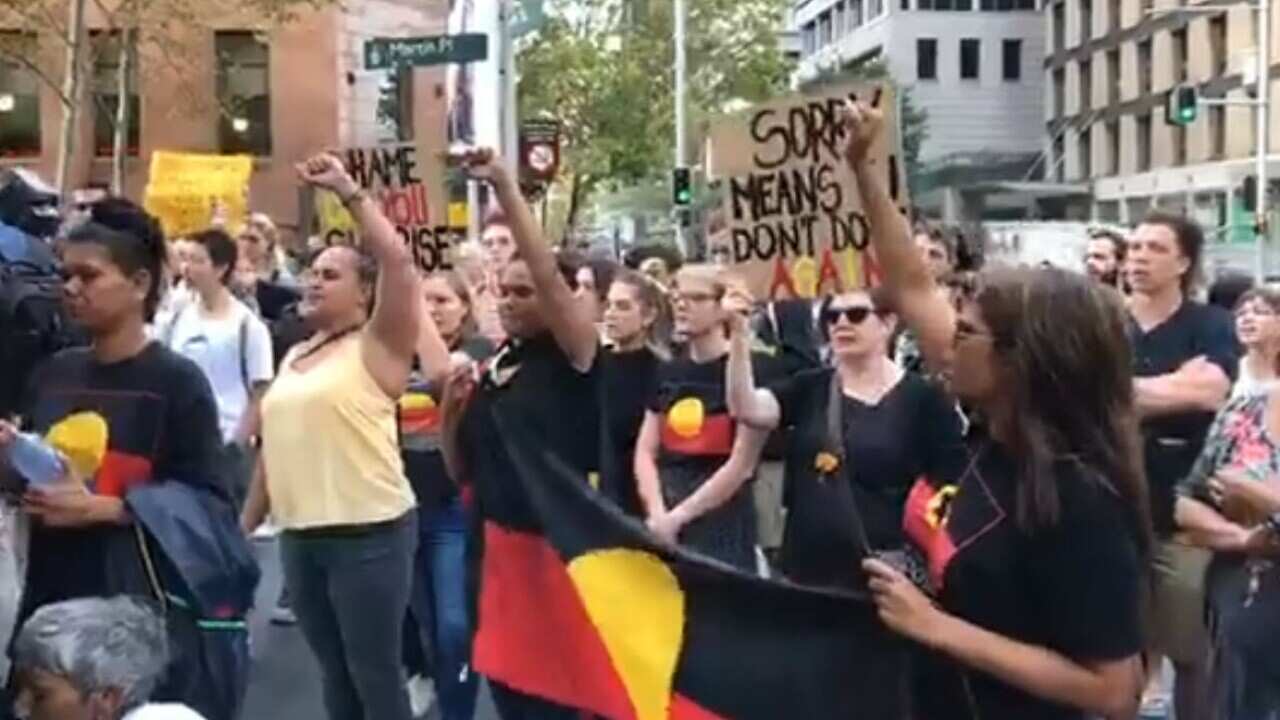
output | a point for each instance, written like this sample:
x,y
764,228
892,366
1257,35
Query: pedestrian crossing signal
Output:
x,y
1182,105
681,187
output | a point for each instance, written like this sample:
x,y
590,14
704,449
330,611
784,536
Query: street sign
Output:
x,y
540,149
384,53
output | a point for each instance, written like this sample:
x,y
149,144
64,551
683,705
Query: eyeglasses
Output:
x,y
855,315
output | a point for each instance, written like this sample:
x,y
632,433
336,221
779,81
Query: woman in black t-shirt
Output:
x,y
1036,550
634,315
540,385
863,431
692,460
439,601
127,412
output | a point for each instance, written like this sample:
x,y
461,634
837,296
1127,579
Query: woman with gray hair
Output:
x,y
93,659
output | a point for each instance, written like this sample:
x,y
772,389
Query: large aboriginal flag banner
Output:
x,y
581,607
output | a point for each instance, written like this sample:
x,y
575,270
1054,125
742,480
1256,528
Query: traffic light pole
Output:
x,y
1260,104
682,156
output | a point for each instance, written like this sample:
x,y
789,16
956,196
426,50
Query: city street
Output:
x,y
285,682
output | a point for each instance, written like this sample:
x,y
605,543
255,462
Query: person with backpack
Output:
x,y
134,418
221,335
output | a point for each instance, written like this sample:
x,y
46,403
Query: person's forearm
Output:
x,y
1180,391
378,236
1206,527
898,259
525,231
105,510
433,352
649,483
251,419
256,504
727,480
742,397
1038,671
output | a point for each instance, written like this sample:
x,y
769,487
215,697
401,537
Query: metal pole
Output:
x,y
507,79
1264,128
682,155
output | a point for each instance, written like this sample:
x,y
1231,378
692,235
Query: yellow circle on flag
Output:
x,y
685,418
82,438
416,401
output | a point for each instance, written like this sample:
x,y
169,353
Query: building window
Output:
x,y
838,27
1113,147
906,4
1086,21
1011,56
244,93
1059,26
1218,43
965,5
1059,158
1180,53
1144,68
1217,133
106,90
808,36
1113,15
1059,93
1085,151
824,30
855,14
1086,85
1144,143
926,59
19,97
1113,77
875,9
970,49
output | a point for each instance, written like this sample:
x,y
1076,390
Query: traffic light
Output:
x,y
681,187
1182,105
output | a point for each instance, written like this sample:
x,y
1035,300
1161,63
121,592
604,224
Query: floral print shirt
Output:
x,y
1238,438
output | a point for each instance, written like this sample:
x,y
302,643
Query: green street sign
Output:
x,y
384,53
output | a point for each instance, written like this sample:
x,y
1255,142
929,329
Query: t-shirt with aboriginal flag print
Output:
x,y
1071,587
149,418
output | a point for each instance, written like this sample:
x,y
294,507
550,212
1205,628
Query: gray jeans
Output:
x,y
350,591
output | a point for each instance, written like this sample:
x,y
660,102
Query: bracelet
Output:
x,y
354,197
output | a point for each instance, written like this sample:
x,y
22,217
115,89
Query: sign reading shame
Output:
x,y
796,227
409,192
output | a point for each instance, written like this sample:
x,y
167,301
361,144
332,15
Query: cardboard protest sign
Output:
x,y
184,189
795,222
408,185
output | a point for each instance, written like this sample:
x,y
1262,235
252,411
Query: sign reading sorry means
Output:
x,y
795,222
409,192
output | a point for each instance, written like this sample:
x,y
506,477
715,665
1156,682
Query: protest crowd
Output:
x,y
640,489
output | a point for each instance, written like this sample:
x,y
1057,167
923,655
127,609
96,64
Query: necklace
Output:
x,y
327,342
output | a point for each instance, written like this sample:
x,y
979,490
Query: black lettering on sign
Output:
x,y
787,238
792,191
358,166
805,132
764,136
339,237
849,231
894,190
431,247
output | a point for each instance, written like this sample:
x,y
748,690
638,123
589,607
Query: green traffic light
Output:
x,y
1187,114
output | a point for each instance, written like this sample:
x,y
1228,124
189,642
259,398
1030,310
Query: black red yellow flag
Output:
x,y
579,605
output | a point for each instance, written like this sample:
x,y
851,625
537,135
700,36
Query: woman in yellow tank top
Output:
x,y
332,475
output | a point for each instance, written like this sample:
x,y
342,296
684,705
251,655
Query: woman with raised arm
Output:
x,y
1036,550
541,384
334,479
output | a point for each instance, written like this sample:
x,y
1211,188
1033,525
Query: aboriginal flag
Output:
x,y
582,607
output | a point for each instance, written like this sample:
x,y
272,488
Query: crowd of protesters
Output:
x,y
1049,481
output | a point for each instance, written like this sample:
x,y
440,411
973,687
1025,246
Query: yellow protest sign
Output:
x,y
795,222
184,189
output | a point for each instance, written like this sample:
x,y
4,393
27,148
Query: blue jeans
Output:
x,y
441,609
350,591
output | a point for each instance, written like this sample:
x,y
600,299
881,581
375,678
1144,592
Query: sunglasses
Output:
x,y
855,315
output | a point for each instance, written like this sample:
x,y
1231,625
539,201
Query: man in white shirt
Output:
x,y
229,342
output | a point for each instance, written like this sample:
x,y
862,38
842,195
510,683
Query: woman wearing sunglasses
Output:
x,y
862,431
1036,550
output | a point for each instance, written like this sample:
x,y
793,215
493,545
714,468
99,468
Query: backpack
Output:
x,y
33,323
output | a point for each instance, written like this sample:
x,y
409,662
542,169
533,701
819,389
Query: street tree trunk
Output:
x,y
71,92
120,134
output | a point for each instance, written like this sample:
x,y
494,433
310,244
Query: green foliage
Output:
x,y
604,68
